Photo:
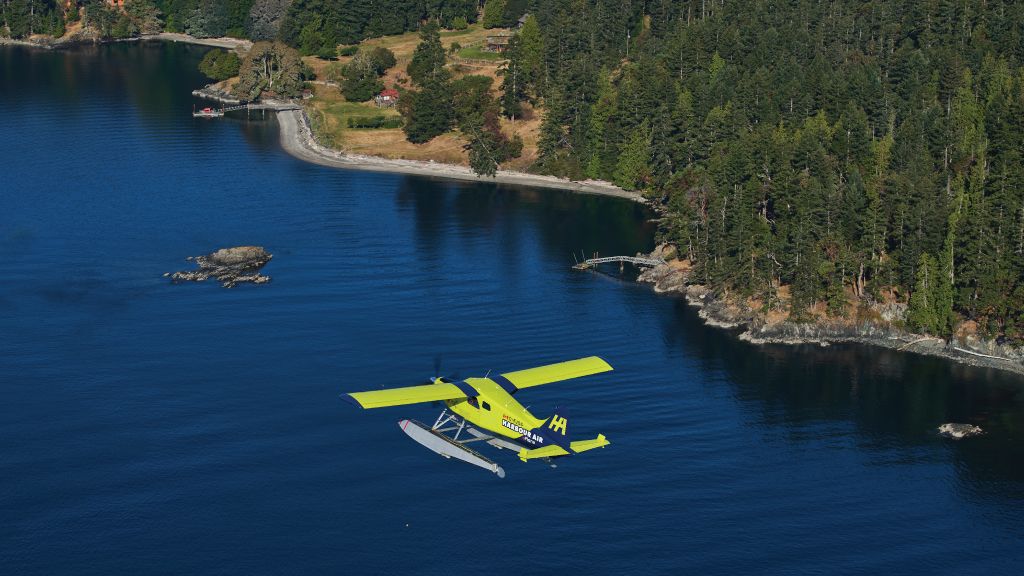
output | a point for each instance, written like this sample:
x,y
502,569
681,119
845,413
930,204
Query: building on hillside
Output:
x,y
522,20
497,44
387,98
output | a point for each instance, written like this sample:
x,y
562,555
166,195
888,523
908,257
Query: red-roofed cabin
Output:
x,y
387,98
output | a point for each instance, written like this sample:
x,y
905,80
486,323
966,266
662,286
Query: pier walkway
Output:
x,y
231,103
637,260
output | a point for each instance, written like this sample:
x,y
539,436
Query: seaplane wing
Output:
x,y
410,395
556,372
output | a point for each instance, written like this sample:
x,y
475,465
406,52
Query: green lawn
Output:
x,y
342,108
478,53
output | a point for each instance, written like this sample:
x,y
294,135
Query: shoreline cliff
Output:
x,y
886,332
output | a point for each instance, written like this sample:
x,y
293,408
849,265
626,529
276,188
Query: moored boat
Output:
x,y
207,113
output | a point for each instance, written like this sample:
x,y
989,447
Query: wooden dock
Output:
x,y
622,260
230,103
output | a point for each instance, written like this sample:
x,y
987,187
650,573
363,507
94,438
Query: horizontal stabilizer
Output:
x,y
410,395
557,372
584,445
545,452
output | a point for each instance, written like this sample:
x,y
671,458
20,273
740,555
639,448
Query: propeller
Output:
x,y
437,378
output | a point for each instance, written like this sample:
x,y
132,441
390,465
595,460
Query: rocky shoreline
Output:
x,y
84,37
212,92
672,278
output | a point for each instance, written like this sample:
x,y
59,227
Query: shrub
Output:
x,y
373,122
381,59
219,64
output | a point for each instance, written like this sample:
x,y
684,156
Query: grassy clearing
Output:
x,y
478,53
337,106
330,111
473,29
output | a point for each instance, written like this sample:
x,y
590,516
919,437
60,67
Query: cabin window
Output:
x,y
472,402
485,405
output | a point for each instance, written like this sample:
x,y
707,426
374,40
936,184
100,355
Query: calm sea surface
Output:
x,y
150,428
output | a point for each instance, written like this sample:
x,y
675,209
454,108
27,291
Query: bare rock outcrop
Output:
x,y
229,266
958,431
666,278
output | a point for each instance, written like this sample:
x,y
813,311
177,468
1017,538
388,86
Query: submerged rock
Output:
x,y
958,431
229,266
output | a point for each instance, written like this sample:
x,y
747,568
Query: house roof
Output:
x,y
389,93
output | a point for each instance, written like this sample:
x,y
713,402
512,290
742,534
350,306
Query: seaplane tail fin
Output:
x,y
584,445
546,452
555,430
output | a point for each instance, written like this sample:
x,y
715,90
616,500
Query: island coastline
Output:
x,y
297,139
48,43
752,327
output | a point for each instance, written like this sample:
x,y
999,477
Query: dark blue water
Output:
x,y
150,428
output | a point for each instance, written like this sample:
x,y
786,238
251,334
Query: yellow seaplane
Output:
x,y
483,410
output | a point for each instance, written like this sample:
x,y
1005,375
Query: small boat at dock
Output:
x,y
207,113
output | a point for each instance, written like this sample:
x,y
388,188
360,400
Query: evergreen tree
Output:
x,y
428,111
683,128
531,48
923,313
493,13
476,113
427,114
513,84
427,65
633,167
600,144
